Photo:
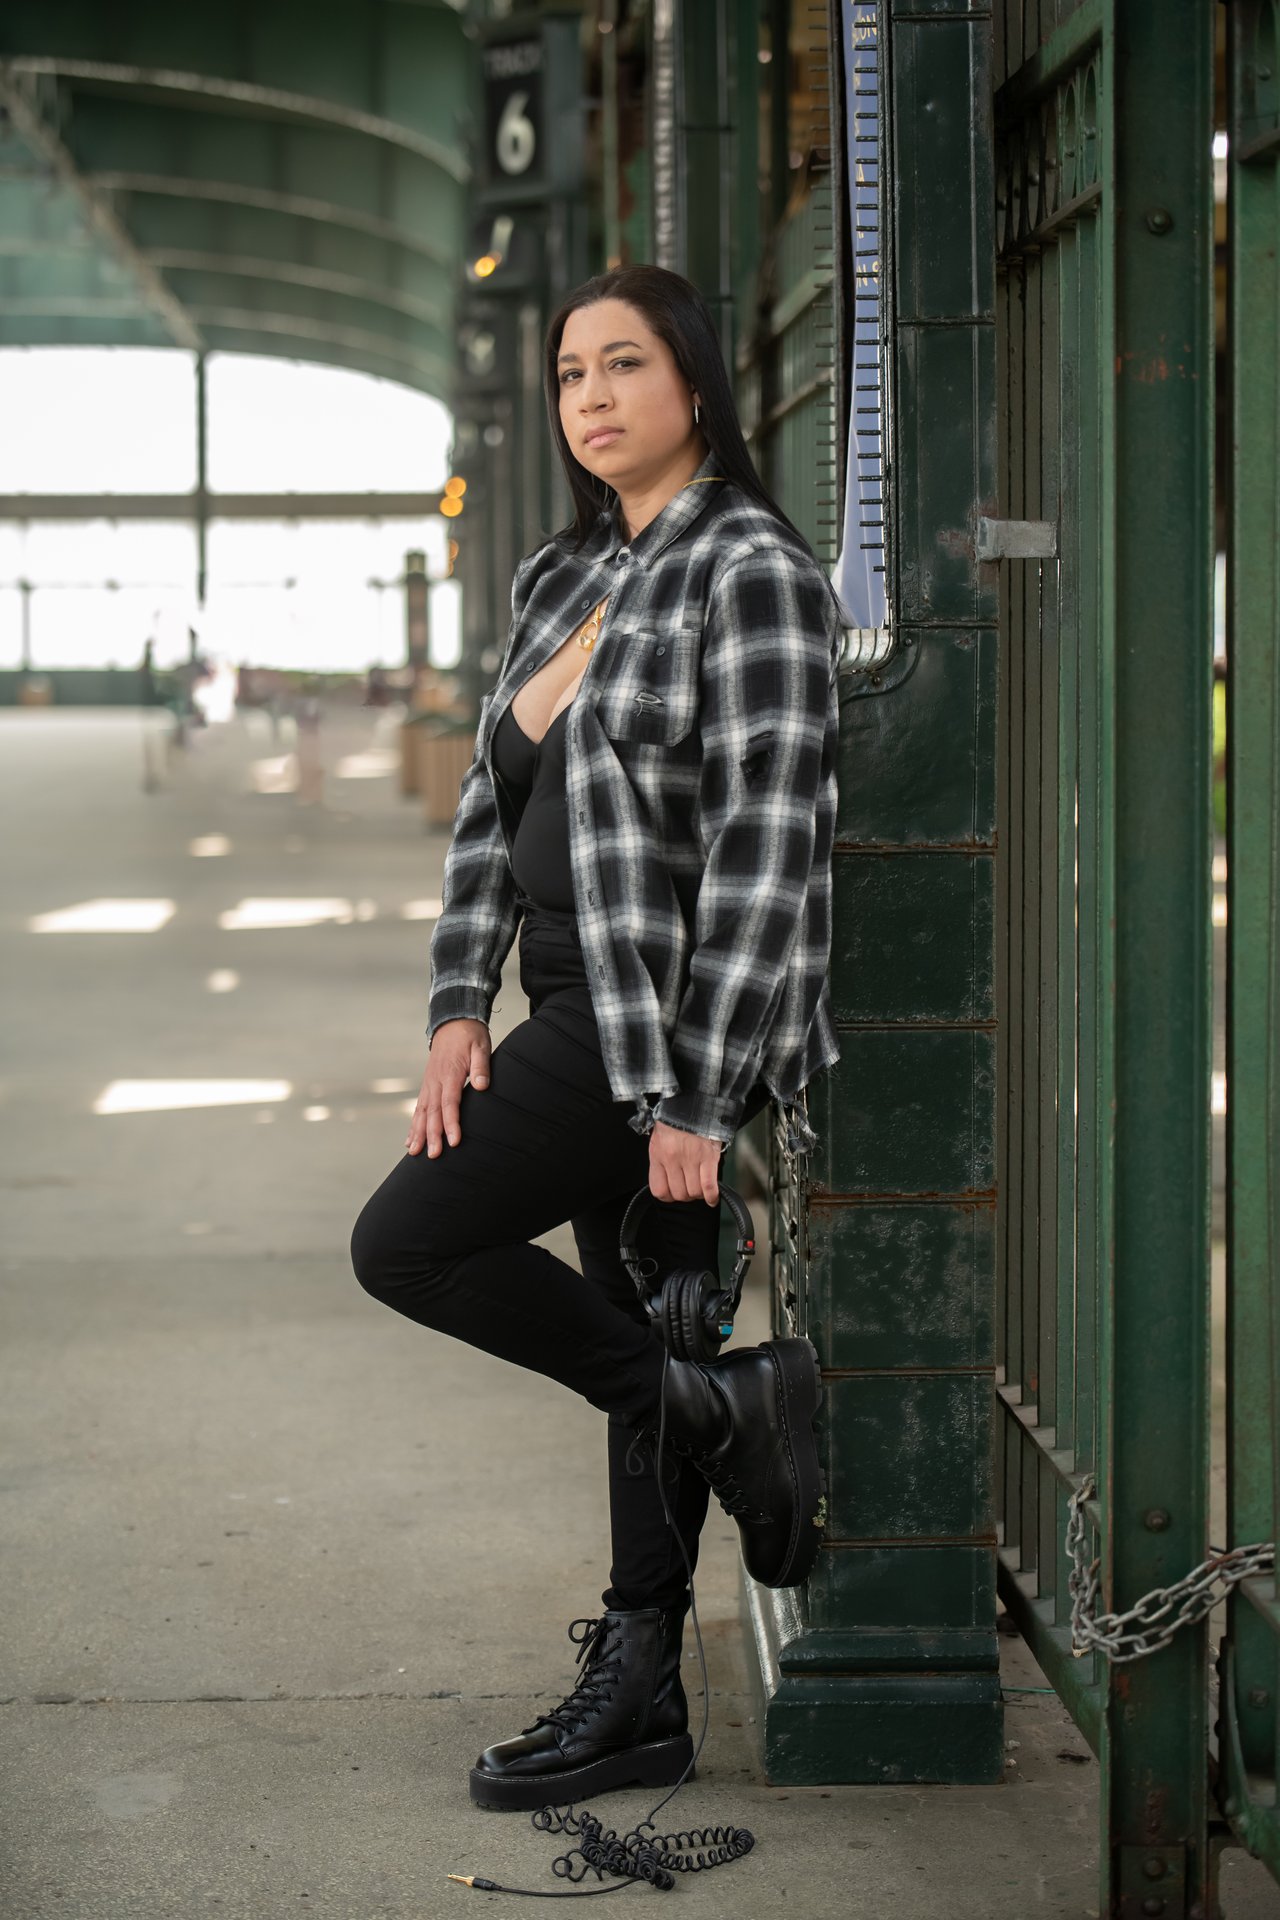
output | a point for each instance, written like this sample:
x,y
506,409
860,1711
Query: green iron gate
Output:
x,y
1104,125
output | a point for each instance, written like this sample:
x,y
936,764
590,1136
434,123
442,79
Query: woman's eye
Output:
x,y
566,377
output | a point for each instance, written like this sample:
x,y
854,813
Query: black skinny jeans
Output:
x,y
447,1242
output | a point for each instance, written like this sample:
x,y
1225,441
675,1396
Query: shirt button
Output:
x,y
591,898
623,556
661,649
582,816
587,603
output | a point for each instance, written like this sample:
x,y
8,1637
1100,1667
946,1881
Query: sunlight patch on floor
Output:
x,y
255,914
375,764
106,916
171,1096
279,774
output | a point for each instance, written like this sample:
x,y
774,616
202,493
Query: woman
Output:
x,y
652,797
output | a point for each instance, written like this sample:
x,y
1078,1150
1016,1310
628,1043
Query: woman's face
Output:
x,y
615,373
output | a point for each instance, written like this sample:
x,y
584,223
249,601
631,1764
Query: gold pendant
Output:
x,y
592,627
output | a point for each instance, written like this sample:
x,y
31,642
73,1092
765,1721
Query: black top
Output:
x,y
533,771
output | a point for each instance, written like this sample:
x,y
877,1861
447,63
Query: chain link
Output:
x,y
1158,1614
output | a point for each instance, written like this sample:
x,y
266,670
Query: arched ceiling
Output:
x,y
283,177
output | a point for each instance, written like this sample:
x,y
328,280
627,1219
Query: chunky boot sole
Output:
x,y
659,1764
800,1395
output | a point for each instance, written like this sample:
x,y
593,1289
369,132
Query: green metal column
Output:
x,y
1157,602
202,480
1249,1729
886,1667
706,102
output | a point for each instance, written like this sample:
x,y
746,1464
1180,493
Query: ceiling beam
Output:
x,y
282,272
298,327
37,135
299,206
269,102
288,273
218,506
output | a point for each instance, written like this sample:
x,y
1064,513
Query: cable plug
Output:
x,y
475,1880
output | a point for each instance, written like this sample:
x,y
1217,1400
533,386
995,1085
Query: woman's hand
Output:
x,y
459,1052
683,1166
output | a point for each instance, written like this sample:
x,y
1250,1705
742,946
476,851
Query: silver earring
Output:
x,y
695,413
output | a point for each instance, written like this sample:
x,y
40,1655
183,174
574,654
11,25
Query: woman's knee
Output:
x,y
389,1264
377,1256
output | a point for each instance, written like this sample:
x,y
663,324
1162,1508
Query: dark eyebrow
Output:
x,y
609,349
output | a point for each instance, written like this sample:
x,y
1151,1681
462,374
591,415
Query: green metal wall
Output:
x,y
1249,1724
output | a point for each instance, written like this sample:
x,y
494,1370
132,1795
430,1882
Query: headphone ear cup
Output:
x,y
669,1318
689,1318
703,1317
693,1325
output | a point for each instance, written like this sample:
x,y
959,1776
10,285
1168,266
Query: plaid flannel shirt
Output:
x,y
701,789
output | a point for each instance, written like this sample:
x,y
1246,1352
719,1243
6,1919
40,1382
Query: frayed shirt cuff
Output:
x,y
681,1109
698,1113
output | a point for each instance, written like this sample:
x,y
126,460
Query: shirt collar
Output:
x,y
681,510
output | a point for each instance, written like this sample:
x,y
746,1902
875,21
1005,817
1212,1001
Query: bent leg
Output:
x,y
446,1240
648,1566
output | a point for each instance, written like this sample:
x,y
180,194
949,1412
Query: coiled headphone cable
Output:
x,y
641,1856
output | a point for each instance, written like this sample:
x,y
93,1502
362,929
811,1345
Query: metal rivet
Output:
x,y
1154,1867
1159,219
1153,1903
1156,1519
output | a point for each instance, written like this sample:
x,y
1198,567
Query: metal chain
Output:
x,y
1159,1613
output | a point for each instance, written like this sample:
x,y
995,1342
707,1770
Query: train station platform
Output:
x,y
263,1606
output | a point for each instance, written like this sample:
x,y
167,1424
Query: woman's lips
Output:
x,y
603,439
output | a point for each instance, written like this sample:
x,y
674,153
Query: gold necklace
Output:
x,y
590,631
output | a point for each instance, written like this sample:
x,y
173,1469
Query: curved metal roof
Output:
x,y
283,177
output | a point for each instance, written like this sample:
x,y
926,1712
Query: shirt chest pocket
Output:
x,y
650,693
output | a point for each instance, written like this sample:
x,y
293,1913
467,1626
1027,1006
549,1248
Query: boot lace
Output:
x,y
732,1497
600,1670
724,1484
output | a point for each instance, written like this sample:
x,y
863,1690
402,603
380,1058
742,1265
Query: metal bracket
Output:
x,y
1017,540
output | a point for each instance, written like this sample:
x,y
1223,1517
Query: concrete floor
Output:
x,y
262,1605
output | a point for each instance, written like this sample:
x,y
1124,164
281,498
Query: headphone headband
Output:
x,y
692,1310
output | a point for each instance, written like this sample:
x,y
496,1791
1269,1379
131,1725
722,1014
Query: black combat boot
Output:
x,y
625,1723
746,1422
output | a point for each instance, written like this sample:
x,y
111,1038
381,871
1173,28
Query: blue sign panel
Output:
x,y
858,577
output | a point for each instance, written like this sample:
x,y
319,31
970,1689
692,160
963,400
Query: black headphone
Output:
x,y
692,1310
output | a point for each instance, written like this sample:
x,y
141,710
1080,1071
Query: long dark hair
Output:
x,y
678,314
